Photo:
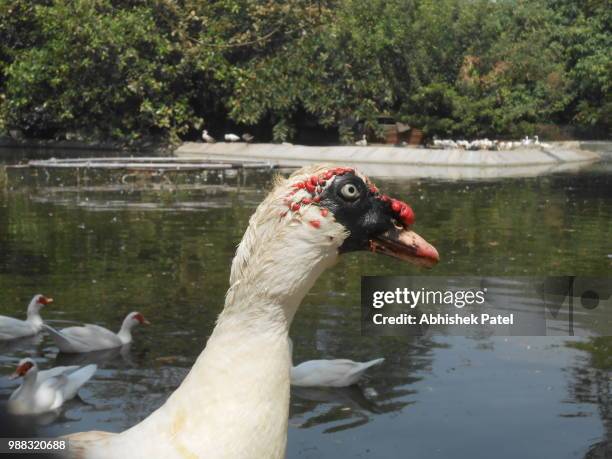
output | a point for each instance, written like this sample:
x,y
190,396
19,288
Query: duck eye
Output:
x,y
349,191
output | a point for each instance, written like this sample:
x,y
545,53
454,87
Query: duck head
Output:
x,y
37,303
336,209
373,220
133,319
303,226
25,367
130,321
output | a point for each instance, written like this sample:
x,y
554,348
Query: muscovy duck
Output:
x,y
234,403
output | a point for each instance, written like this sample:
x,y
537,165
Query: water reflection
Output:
x,y
343,408
102,247
100,358
590,381
18,346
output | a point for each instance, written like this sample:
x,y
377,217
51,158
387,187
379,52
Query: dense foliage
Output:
x,y
129,70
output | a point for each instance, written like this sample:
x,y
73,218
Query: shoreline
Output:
x,y
383,154
373,160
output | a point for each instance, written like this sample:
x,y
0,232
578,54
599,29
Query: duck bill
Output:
x,y
19,372
44,300
406,245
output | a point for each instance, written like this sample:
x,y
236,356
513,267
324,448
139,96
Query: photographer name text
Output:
x,y
443,319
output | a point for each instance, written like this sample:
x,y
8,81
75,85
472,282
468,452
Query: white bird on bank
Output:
x,y
43,391
90,337
363,142
231,138
11,328
206,137
481,144
234,403
486,144
330,373
540,144
445,143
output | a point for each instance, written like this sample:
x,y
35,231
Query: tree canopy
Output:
x,y
139,69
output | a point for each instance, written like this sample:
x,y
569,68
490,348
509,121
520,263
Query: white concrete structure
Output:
x,y
389,161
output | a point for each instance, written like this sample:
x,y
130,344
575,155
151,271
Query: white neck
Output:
x,y
35,319
235,400
33,315
271,288
125,333
29,380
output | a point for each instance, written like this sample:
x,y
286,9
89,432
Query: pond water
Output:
x,y
104,246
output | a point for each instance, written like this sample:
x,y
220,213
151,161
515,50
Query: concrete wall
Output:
x,y
402,161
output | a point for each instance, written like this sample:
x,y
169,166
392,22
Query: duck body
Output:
x,y
206,137
43,391
363,142
231,138
330,373
89,337
11,328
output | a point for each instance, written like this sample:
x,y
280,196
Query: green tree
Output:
x,y
585,36
136,69
101,71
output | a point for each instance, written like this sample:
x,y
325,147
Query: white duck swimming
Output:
x,y
43,391
90,337
330,373
234,403
14,328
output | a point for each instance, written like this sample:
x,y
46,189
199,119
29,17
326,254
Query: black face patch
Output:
x,y
365,216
